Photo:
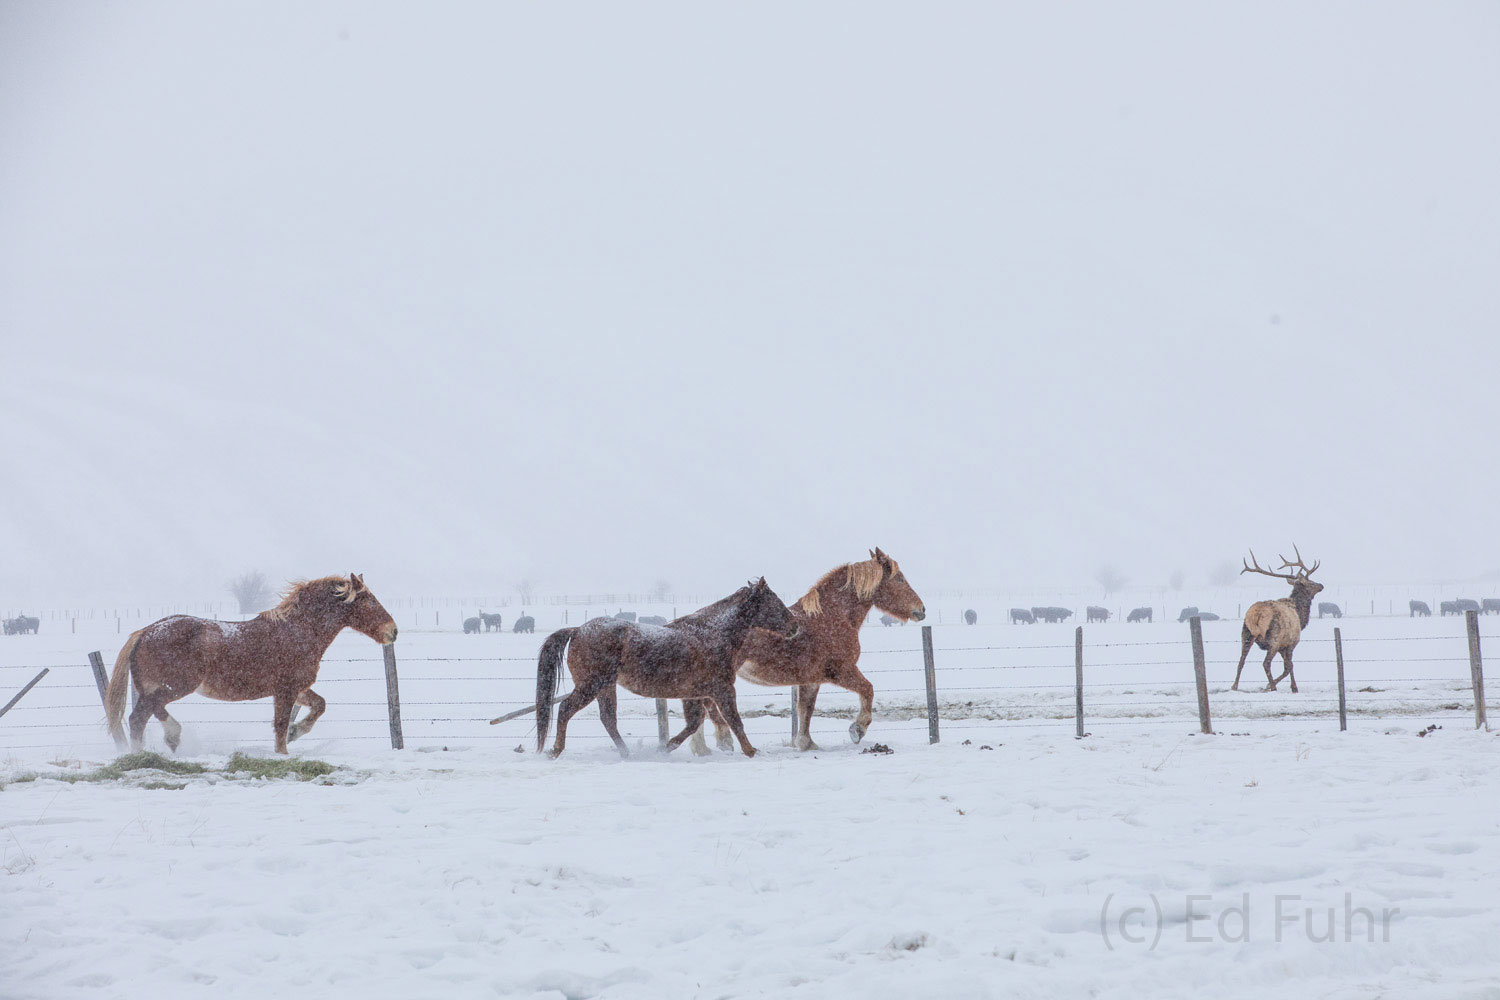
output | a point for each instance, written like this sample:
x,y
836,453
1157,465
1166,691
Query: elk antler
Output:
x,y
1299,565
1255,567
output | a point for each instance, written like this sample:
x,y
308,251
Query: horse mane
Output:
x,y
298,591
708,612
863,578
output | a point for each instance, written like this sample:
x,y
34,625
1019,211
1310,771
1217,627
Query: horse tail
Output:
x,y
114,695
546,680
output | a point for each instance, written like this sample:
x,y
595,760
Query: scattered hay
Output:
x,y
264,767
877,748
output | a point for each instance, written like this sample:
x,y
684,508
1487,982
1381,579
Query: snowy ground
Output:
x,y
1036,867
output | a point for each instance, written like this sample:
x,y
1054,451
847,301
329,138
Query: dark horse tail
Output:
x,y
546,680
119,683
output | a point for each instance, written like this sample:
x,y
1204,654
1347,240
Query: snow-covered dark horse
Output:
x,y
827,649
275,655
692,658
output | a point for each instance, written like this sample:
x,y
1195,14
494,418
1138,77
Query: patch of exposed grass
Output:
x,y
21,778
145,760
173,785
265,767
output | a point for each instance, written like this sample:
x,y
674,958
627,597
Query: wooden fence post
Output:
x,y
1338,657
22,693
661,720
932,705
393,696
1078,679
96,661
1476,669
1200,674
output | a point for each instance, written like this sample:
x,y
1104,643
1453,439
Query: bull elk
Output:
x,y
1275,626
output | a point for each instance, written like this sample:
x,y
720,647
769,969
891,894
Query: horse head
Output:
x,y
361,610
765,610
895,596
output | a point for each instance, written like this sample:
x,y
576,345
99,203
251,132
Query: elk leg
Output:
x,y
1270,684
316,706
608,700
807,696
576,699
692,713
1246,641
283,704
1286,658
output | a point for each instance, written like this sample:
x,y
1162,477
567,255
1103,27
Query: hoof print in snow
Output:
x,y
877,748
985,746
909,942
966,742
1430,729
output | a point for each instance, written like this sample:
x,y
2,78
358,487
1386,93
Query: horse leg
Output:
x,y
1246,641
146,705
726,701
807,696
609,697
281,717
692,714
723,739
316,706
696,742
170,726
851,679
576,699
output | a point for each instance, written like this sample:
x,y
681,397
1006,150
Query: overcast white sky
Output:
x,y
596,295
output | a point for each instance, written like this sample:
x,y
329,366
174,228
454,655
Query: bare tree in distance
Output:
x,y
660,591
526,591
1110,578
1176,580
252,591
1223,574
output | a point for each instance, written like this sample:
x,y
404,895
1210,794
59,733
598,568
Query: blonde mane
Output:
x,y
297,589
863,578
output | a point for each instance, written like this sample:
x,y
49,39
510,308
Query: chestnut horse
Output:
x,y
692,658
827,649
274,654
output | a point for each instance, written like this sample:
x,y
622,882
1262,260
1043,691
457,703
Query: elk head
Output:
x,y
1304,587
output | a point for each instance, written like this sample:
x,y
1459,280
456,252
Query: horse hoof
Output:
x,y
856,732
751,751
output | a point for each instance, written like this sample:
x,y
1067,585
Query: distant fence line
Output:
x,y
428,612
947,703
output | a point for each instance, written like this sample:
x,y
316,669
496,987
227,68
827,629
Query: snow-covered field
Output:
x,y
1008,860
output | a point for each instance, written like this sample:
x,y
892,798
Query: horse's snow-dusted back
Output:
x,y
275,654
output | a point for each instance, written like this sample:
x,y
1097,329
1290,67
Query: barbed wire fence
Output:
x,y
955,690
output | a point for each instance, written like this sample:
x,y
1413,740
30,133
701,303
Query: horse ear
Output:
x,y
361,578
884,559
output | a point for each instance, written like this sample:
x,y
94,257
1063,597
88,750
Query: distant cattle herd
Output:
x,y
492,623
22,625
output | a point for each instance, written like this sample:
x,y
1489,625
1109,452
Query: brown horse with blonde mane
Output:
x,y
275,655
692,658
827,648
